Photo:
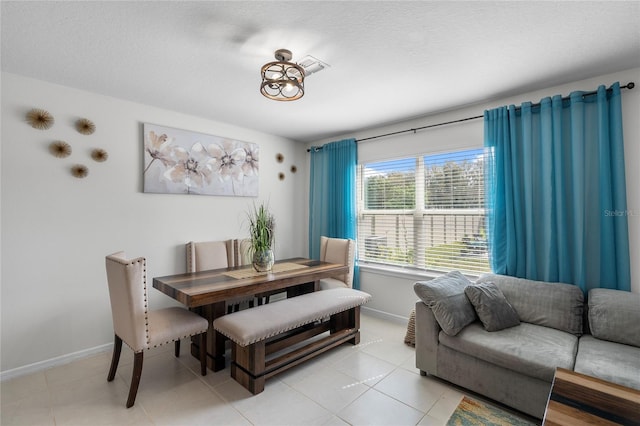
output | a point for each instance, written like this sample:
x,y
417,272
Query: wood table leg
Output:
x,y
215,340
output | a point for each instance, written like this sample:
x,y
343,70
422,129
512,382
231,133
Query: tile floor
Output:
x,y
373,383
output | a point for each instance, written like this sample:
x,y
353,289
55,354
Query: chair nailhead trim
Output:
x,y
171,341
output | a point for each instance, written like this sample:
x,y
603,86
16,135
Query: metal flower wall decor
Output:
x,y
184,162
40,119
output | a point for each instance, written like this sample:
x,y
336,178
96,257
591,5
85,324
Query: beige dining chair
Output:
x,y
205,255
341,251
141,328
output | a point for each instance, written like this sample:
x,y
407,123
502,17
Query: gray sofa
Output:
x,y
515,365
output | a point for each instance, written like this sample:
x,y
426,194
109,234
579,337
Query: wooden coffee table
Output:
x,y
578,399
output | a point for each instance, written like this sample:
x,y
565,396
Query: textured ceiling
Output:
x,y
389,61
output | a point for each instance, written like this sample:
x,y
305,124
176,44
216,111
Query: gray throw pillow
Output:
x,y
445,296
493,309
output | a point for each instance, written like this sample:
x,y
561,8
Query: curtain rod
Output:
x,y
629,85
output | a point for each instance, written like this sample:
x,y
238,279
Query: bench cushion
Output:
x,y
259,323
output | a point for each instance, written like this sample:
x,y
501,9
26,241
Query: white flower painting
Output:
x,y
182,162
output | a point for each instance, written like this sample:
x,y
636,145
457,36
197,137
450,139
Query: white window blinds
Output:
x,y
424,212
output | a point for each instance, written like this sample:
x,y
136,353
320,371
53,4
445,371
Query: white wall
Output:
x,y
393,290
56,229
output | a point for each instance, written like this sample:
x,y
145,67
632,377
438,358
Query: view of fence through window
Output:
x,y
424,212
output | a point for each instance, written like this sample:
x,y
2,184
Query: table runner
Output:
x,y
250,272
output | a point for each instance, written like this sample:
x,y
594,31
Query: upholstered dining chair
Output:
x,y
213,255
342,251
141,328
209,255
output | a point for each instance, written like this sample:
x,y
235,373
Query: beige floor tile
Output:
x,y
160,395
81,390
311,367
410,363
232,391
390,350
446,405
162,370
100,412
94,401
190,404
432,421
365,368
22,387
412,389
394,330
335,421
93,365
375,408
331,389
281,405
31,409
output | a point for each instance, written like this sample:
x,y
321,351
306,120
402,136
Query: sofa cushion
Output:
x,y
609,361
529,349
445,296
555,305
492,308
614,315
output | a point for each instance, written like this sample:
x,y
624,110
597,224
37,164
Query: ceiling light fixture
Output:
x,y
282,80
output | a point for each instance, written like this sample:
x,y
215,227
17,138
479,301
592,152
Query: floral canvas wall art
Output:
x,y
183,162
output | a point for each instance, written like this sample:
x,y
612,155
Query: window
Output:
x,y
424,212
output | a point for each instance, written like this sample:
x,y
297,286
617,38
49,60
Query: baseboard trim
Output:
x,y
66,359
53,362
385,315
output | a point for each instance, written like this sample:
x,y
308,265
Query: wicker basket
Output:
x,y
410,337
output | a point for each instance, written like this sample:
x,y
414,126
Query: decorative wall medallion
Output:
x,y
60,149
80,171
85,126
294,169
99,155
40,119
279,158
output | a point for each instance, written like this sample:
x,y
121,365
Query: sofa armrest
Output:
x,y
427,330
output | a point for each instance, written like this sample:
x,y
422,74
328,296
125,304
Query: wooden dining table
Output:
x,y
206,292
579,399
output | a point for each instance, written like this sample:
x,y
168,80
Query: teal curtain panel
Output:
x,y
332,195
556,191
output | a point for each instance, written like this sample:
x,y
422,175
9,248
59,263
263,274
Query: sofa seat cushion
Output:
x,y
614,362
529,349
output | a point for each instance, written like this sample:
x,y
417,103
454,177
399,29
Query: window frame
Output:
x,y
418,216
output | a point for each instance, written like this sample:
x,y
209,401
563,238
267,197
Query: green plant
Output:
x,y
261,227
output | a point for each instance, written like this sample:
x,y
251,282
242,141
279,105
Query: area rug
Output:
x,y
471,413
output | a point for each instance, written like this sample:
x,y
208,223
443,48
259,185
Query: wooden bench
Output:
x,y
268,339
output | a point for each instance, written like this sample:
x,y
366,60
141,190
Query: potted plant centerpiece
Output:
x,y
261,227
